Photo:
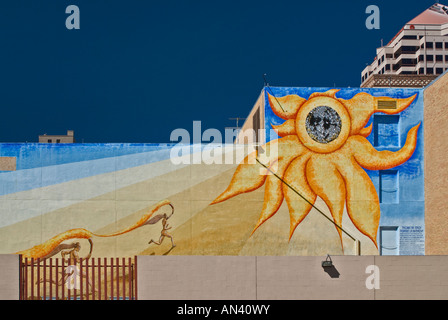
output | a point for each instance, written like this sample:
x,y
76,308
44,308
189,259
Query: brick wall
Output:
x,y
436,168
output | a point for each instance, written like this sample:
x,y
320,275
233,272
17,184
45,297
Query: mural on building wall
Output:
x,y
55,245
354,154
322,151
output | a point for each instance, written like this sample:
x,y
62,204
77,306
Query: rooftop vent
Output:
x,y
386,105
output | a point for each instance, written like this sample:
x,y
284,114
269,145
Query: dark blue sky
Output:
x,y
136,70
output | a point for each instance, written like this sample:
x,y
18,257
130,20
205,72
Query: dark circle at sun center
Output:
x,y
323,124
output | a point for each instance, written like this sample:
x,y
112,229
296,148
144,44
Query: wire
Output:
x,y
266,84
289,186
312,204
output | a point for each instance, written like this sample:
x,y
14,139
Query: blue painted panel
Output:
x,y
403,207
40,165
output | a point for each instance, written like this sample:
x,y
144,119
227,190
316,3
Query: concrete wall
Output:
x,y
274,278
9,277
196,277
291,278
436,170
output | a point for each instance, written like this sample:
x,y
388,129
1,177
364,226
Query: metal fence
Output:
x,y
85,279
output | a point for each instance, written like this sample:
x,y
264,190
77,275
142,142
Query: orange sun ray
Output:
x,y
369,158
362,201
365,132
273,198
295,177
362,106
326,181
330,93
286,107
285,129
250,175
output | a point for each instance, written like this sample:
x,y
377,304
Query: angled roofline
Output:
x,y
436,79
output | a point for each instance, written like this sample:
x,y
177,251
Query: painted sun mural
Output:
x,y
323,151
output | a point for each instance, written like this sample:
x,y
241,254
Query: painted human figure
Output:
x,y
73,274
73,253
164,233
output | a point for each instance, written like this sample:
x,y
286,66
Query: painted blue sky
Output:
x,y
137,70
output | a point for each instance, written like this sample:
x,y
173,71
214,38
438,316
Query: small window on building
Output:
x,y
49,140
439,58
421,71
407,72
439,45
256,124
58,140
388,186
389,241
386,130
421,58
439,70
429,45
430,58
429,71
387,67
409,62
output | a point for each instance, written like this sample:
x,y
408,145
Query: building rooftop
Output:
x,y
68,138
437,14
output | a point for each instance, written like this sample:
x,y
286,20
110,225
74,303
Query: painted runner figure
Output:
x,y
165,227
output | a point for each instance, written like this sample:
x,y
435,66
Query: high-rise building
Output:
x,y
415,56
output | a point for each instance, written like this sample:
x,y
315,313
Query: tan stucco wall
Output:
x,y
8,163
436,168
245,136
291,278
